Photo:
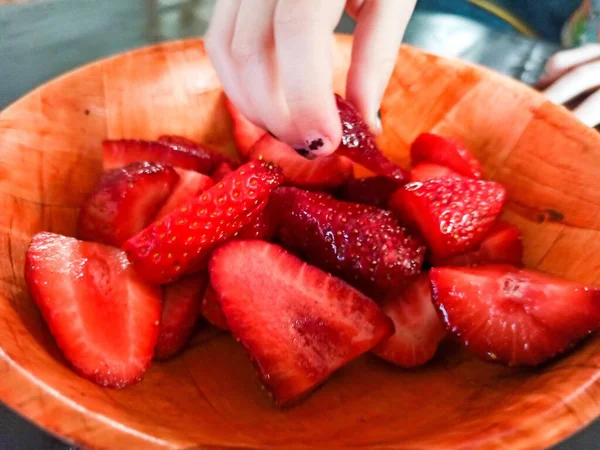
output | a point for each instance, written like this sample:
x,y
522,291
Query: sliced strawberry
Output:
x,y
122,152
359,144
502,244
298,323
245,133
327,172
180,242
202,151
180,311
362,244
191,184
452,214
374,191
102,316
418,329
211,309
125,201
514,316
428,171
263,227
445,151
222,171
178,141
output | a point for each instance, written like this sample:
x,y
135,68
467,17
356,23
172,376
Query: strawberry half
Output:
x,y
180,312
428,171
445,151
298,323
263,227
452,214
374,191
202,151
245,133
362,244
502,244
102,316
122,152
514,316
418,329
211,309
359,144
222,171
191,184
180,242
125,201
327,172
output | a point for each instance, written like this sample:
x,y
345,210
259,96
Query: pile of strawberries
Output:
x,y
305,265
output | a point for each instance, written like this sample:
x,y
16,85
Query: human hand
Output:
x,y
573,72
274,59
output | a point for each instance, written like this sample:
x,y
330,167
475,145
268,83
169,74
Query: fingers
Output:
x,y
304,42
566,60
575,82
218,41
253,51
589,111
381,25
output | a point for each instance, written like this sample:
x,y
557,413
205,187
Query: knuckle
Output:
x,y
244,50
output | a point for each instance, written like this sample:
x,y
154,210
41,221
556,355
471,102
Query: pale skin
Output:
x,y
274,59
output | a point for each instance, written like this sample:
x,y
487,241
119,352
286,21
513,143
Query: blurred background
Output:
x,y
42,39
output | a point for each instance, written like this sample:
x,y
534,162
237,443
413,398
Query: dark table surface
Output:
x,y
40,40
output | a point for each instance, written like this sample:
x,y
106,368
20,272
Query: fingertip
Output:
x,y
322,143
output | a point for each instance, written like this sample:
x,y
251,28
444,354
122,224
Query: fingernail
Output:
x,y
314,146
378,127
375,124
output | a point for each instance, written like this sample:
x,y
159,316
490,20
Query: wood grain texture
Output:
x,y
210,397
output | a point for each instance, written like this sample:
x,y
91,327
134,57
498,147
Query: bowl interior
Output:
x,y
209,396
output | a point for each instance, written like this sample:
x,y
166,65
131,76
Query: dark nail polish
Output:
x,y
379,114
316,144
305,153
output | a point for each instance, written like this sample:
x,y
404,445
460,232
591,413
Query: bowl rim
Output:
x,y
20,386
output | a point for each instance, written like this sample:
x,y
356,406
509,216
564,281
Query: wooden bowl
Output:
x,y
209,397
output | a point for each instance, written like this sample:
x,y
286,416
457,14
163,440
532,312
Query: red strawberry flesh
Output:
x,y
125,201
514,316
202,151
180,311
122,152
327,172
103,317
418,329
245,133
211,309
358,144
221,171
180,242
502,245
191,184
452,214
263,227
445,151
374,191
298,323
428,171
362,244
